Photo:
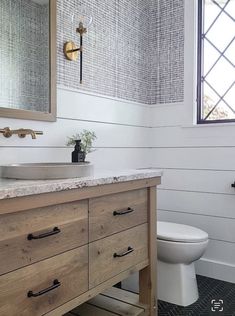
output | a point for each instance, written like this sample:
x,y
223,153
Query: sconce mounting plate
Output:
x,y
68,51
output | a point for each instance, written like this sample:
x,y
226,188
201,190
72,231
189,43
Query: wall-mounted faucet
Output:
x,y
22,132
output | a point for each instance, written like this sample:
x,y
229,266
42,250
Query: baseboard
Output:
x,y
216,270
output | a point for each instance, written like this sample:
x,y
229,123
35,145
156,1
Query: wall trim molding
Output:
x,y
190,60
62,87
164,105
216,270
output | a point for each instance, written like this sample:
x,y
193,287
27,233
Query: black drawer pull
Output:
x,y
233,185
55,231
123,212
56,284
129,250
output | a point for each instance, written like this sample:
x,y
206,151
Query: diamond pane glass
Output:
x,y
211,12
217,75
230,97
210,57
222,112
230,8
217,34
221,76
209,101
230,53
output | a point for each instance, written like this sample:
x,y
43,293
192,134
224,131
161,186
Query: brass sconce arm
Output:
x,y
74,50
22,132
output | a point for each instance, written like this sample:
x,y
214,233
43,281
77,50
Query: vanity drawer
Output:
x,y
112,255
116,212
69,269
58,228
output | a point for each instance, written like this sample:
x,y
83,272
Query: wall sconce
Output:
x,y
71,51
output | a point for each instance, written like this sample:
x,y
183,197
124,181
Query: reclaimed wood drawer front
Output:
x,y
69,269
116,212
63,227
112,255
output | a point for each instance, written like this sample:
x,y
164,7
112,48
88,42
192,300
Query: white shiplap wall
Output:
x,y
199,167
122,130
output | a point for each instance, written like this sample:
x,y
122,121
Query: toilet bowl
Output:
x,y
179,246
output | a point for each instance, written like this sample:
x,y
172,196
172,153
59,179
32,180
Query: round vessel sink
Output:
x,y
45,171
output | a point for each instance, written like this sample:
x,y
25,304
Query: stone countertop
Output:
x,y
10,188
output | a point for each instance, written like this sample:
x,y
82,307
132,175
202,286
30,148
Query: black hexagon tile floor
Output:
x,y
216,298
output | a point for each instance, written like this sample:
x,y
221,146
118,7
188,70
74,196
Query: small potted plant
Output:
x,y
85,140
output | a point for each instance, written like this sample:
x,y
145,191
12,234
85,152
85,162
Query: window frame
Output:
x,y
199,92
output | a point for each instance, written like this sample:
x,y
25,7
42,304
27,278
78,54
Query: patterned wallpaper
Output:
x,y
116,58
133,49
24,55
170,53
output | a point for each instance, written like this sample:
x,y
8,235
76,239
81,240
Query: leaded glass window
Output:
x,y
216,61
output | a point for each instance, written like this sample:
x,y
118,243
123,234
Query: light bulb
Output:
x,y
83,18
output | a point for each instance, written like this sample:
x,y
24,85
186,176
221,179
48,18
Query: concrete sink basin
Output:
x,y
45,171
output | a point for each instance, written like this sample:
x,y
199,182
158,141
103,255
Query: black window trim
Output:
x,y
200,28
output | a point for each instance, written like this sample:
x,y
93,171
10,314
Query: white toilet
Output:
x,y
179,246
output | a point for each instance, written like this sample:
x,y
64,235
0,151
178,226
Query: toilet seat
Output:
x,y
180,233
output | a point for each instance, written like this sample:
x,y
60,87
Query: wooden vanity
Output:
x,y
60,249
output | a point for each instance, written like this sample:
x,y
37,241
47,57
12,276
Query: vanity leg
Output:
x,y
148,276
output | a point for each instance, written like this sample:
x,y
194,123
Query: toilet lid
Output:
x,y
179,232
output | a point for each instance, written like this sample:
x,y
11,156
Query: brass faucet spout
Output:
x,y
23,132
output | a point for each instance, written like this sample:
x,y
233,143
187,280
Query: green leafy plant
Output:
x,y
86,137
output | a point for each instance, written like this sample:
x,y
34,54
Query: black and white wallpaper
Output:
x,y
170,53
134,50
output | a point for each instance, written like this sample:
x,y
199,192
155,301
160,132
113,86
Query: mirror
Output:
x,y
28,59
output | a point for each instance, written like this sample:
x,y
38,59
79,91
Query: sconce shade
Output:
x,y
86,20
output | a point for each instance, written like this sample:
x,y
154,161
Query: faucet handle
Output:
x,y
6,132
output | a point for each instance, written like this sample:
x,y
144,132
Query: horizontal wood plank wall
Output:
x,y
199,168
122,130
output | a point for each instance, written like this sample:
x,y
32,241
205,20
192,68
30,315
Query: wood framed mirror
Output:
x,y
28,59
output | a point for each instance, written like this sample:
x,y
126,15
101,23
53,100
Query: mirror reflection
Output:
x,y
25,55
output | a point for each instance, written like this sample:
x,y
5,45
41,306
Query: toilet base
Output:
x,y
177,283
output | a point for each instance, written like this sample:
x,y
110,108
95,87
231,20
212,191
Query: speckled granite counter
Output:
x,y
17,188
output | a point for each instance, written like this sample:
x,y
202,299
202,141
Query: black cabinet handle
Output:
x,y
129,250
123,212
55,285
55,231
233,185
